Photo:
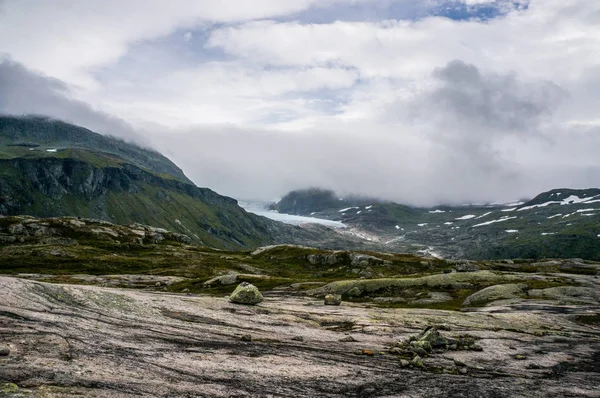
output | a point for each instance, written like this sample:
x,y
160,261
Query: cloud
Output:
x,y
494,102
25,92
268,96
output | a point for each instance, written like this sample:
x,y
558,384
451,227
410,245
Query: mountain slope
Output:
x,y
48,134
50,168
562,223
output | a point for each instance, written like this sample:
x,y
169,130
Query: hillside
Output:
x,y
41,133
49,168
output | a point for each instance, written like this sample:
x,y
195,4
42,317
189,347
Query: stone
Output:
x,y
224,280
431,338
348,339
404,363
246,293
4,352
333,299
246,337
417,361
492,293
462,371
354,292
298,338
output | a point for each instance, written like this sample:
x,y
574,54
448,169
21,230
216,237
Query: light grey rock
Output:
x,y
333,299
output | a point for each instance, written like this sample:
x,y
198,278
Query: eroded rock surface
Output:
x,y
68,340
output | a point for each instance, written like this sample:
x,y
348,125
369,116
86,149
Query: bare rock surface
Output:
x,y
70,340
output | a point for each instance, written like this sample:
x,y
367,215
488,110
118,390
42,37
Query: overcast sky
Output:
x,y
421,102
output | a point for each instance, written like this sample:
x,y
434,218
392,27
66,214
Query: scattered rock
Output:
x,y
298,338
246,337
4,351
466,267
404,363
417,361
521,357
354,292
358,259
463,371
333,299
348,339
224,280
246,293
458,362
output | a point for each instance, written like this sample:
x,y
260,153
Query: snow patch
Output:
x,y
573,199
554,216
422,225
51,150
289,218
346,209
505,218
448,223
437,211
548,233
467,217
511,231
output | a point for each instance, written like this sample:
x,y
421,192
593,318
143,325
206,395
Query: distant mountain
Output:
x,y
306,201
561,223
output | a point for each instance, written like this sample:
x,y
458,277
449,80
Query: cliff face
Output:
x,y
123,193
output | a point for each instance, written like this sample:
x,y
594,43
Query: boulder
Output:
x,y
333,299
432,338
496,292
246,293
224,280
364,259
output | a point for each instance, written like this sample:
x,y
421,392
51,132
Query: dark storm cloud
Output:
x,y
498,103
25,92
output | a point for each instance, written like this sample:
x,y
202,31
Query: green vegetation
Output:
x,y
62,249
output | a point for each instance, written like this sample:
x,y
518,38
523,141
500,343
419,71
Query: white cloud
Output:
x,y
260,103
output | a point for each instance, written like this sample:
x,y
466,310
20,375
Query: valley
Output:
x,y
117,275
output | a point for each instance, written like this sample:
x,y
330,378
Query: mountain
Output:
x,y
561,223
47,134
50,168
307,201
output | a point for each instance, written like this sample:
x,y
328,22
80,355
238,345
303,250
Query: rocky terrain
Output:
x,y
98,309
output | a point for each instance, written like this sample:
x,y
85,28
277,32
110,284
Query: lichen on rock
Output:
x,y
246,293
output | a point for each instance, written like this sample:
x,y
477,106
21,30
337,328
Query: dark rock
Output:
x,y
348,339
246,337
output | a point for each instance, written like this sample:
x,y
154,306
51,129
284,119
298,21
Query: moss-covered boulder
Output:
x,y
246,293
493,293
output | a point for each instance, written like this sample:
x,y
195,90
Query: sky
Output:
x,y
421,102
